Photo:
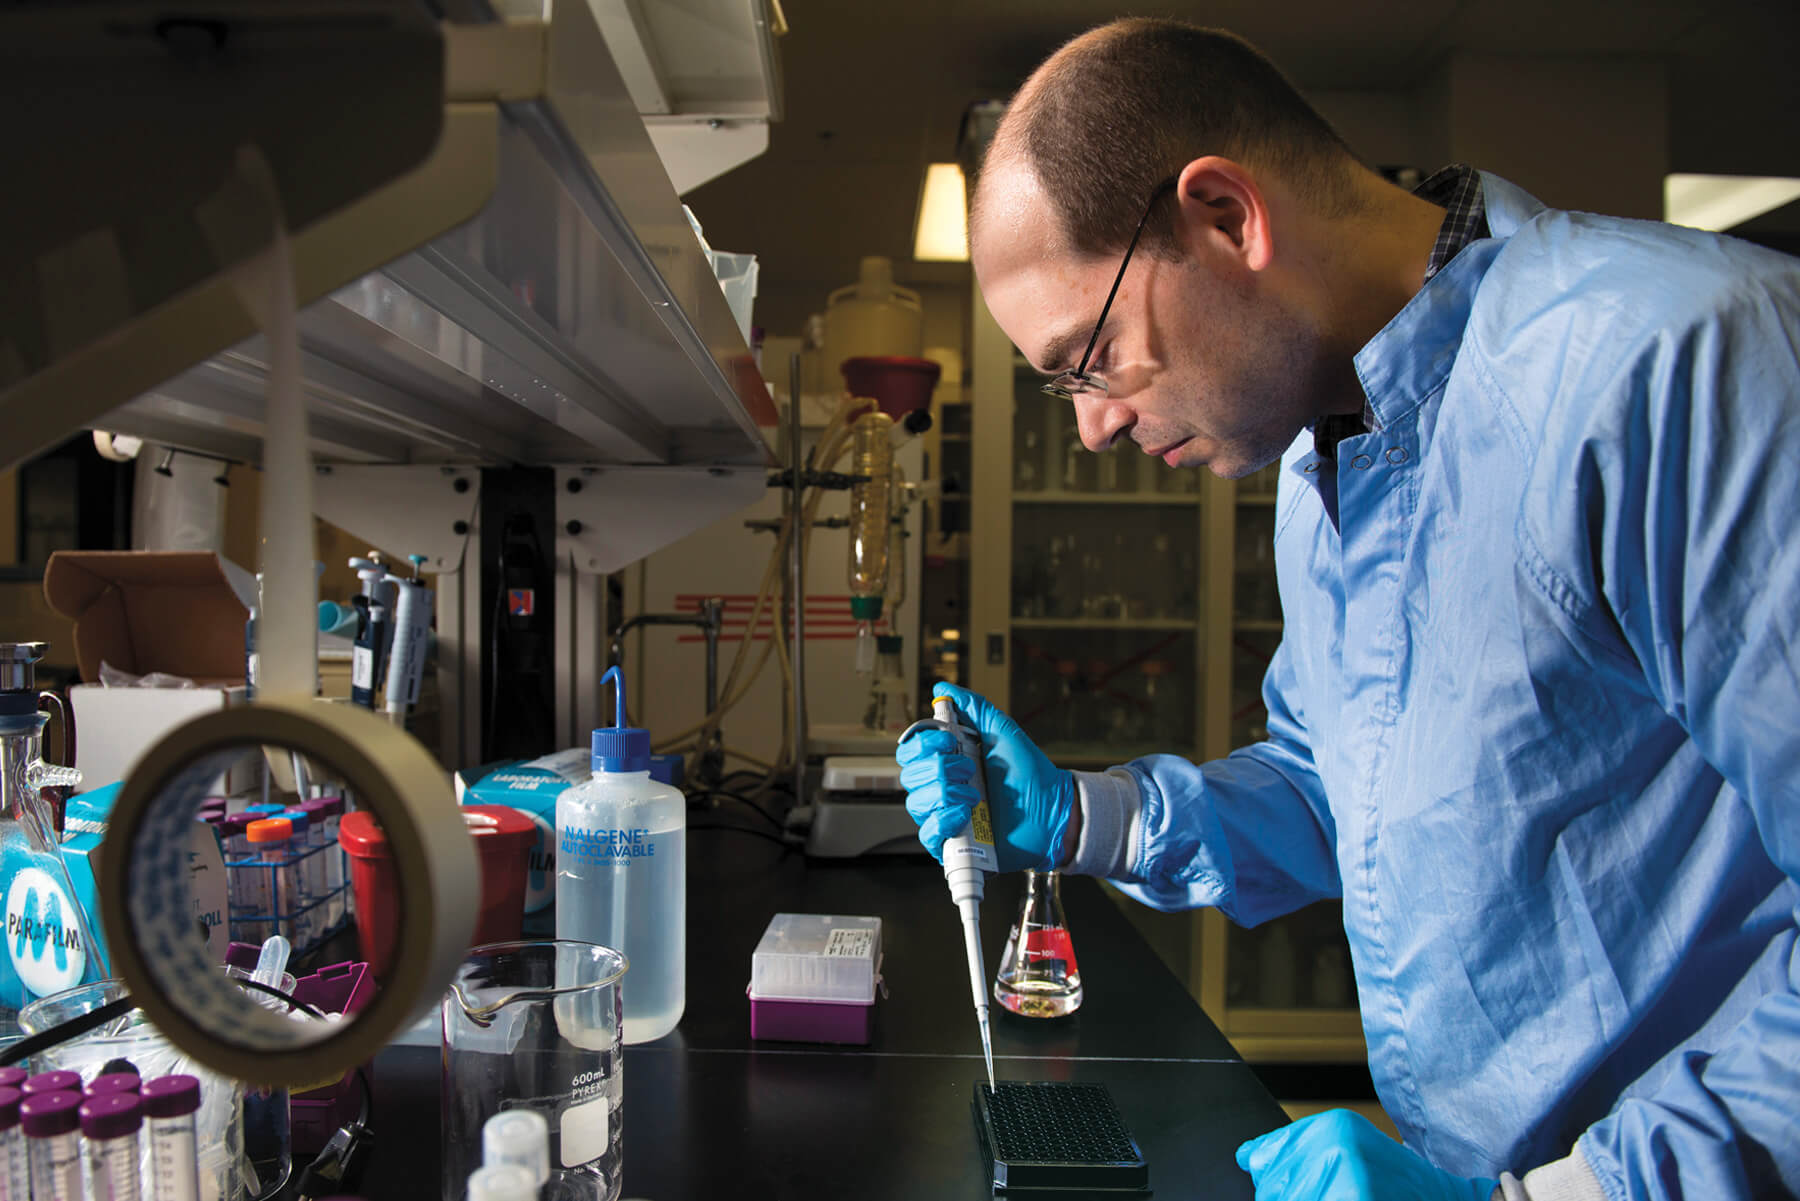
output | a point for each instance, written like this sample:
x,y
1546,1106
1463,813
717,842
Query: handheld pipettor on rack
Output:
x,y
967,859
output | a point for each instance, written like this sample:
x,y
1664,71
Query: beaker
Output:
x,y
1038,976
536,1025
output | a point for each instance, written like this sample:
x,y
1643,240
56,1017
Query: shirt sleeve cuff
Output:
x,y
1110,831
1565,1180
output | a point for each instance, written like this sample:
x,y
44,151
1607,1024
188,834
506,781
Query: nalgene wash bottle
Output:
x,y
621,873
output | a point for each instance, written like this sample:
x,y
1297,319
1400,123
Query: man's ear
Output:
x,y
1222,210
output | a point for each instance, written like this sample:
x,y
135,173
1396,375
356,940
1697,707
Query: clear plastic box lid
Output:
x,y
817,957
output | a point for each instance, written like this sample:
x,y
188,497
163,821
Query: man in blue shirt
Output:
x,y
1536,715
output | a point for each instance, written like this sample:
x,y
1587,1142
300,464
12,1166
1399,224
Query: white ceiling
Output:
x,y
873,91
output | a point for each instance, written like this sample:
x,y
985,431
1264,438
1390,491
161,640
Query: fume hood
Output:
x,y
496,269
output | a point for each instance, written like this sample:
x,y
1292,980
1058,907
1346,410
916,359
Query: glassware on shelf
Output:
x,y
1159,580
1276,969
1116,469
1030,581
1098,599
1261,482
1031,421
1156,699
1078,466
1063,723
1178,481
1186,577
1038,976
1256,597
1094,706
1028,461
1069,587
1332,984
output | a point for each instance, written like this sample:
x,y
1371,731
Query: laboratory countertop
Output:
x,y
709,1113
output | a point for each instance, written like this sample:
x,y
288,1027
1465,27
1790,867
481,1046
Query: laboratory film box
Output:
x,y
84,850
175,612
813,978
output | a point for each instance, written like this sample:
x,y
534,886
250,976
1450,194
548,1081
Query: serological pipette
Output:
x,y
968,858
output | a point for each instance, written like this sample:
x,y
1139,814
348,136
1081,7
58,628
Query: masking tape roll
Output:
x,y
148,910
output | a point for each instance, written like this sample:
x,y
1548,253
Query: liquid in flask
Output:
x,y
1038,975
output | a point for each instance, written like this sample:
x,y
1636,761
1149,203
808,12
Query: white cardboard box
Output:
x,y
115,726
178,612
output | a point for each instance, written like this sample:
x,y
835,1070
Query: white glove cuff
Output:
x,y
1569,1179
1110,830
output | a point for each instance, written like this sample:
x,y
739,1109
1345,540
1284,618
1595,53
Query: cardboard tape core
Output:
x,y
147,907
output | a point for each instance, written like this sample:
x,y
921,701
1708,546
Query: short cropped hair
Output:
x,y
1122,108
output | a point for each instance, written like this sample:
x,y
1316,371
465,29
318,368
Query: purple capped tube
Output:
x,y
52,1123
170,1105
110,1124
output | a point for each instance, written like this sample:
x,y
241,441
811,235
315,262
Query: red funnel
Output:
x,y
898,384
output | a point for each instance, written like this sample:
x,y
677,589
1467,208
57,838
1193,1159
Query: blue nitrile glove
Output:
x,y
1340,1155
1030,799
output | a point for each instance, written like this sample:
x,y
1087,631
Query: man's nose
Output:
x,y
1101,420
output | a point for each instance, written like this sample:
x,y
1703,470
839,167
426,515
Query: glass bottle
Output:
x,y
56,950
1038,977
870,499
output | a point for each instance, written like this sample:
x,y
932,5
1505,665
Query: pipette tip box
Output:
x,y
814,977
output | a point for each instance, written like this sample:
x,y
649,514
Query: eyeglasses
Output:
x,y
1078,382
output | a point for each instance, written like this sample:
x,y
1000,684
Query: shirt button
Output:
x,y
1396,454
1361,462
1310,468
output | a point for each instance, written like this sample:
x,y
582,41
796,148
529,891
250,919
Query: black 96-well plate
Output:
x,y
1051,1135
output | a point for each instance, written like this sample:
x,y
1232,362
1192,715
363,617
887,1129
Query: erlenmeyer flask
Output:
x,y
1038,977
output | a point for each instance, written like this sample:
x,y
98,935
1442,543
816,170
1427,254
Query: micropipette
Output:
x,y
406,662
967,859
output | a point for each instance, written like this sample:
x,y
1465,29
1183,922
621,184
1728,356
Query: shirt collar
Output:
x,y
1410,359
1457,189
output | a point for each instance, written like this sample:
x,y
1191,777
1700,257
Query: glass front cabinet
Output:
x,y
1118,607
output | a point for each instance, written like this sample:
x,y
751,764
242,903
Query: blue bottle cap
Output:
x,y
621,748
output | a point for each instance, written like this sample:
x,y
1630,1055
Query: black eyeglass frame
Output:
x,y
1070,384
